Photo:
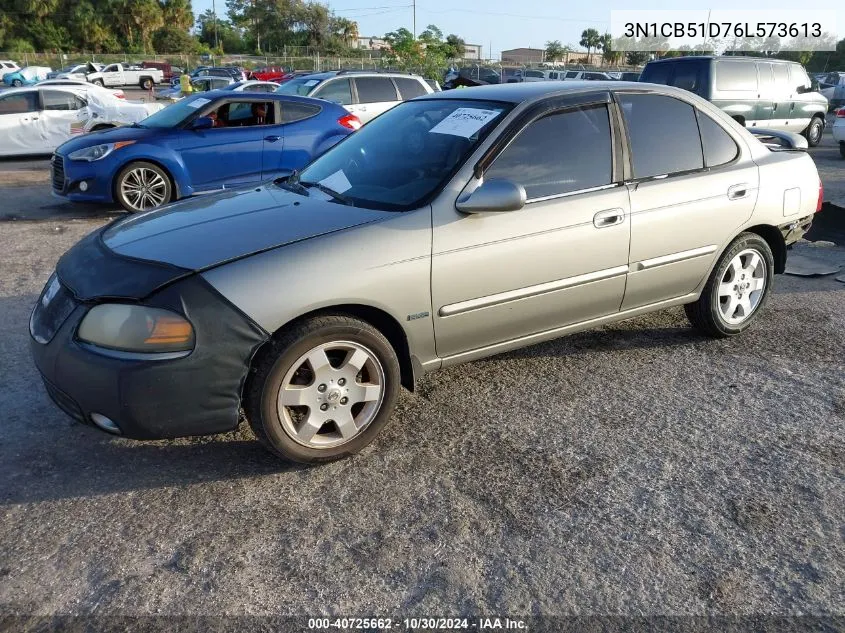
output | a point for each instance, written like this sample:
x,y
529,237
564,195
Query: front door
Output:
x,y
767,105
685,204
241,131
112,75
19,117
561,259
375,95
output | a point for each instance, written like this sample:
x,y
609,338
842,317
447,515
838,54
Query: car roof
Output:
x,y
328,74
273,96
536,90
690,58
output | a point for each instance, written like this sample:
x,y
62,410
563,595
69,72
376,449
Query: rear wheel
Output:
x,y
323,390
737,289
142,186
17,83
813,133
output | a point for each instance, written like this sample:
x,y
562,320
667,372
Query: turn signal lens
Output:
x,y
136,328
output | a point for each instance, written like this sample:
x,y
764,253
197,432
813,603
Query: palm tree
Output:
x,y
590,39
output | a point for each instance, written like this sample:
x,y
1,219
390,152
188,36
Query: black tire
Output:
x,y
104,126
842,150
98,82
124,173
146,83
283,352
705,313
17,83
814,131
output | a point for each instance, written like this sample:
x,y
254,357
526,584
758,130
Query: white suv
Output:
x,y
366,94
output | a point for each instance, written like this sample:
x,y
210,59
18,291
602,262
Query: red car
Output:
x,y
269,73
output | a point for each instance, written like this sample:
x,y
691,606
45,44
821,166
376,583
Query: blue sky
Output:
x,y
506,24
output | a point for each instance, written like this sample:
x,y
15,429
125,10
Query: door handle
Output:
x,y
608,217
272,139
35,118
737,192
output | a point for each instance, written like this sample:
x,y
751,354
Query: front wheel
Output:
x,y
323,389
813,133
98,82
17,83
737,289
142,186
146,83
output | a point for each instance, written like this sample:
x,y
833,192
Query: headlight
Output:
x,y
96,152
133,328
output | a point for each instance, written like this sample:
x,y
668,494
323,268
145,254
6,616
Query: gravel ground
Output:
x,y
636,470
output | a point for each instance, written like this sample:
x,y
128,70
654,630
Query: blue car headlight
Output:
x,y
96,152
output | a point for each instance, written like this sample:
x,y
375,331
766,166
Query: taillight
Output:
x,y
840,113
821,196
350,122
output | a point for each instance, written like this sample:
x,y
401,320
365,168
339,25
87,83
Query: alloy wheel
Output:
x,y
742,287
143,189
331,394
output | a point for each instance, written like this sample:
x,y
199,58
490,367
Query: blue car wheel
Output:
x,y
17,83
141,186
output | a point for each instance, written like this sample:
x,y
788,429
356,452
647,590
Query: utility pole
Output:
x,y
214,10
415,18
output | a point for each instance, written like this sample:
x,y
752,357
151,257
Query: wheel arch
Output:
x,y
174,184
774,238
378,318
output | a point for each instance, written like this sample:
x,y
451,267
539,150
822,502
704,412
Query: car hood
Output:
x,y
206,231
109,136
133,257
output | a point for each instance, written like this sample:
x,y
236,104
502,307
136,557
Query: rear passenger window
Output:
x,y
719,147
736,76
292,112
664,134
409,88
572,74
541,157
687,77
375,89
764,76
59,100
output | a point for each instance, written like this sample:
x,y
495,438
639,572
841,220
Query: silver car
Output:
x,y
455,226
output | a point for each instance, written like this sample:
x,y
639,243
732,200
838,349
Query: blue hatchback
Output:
x,y
206,142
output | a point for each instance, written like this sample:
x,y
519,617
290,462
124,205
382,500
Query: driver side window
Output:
x,y
562,152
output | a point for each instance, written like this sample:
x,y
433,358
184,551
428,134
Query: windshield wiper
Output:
x,y
327,190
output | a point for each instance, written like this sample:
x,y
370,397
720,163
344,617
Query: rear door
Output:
x,y
374,96
691,189
298,134
240,139
59,111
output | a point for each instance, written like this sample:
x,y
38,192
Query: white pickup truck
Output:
x,y
120,75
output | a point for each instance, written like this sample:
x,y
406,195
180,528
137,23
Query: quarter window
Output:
x,y
719,147
375,90
292,112
409,88
663,133
337,91
559,153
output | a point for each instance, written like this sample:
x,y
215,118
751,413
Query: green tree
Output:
x,y
455,47
554,50
89,29
171,39
178,14
590,39
637,58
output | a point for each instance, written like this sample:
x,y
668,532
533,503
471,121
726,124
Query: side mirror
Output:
x,y
493,196
202,123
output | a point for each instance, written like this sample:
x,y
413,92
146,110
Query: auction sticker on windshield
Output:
x,y
198,103
464,122
337,182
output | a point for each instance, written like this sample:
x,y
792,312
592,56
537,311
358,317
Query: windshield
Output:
x,y
403,157
173,115
301,86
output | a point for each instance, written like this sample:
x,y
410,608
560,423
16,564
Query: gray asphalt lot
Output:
x,y
635,470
